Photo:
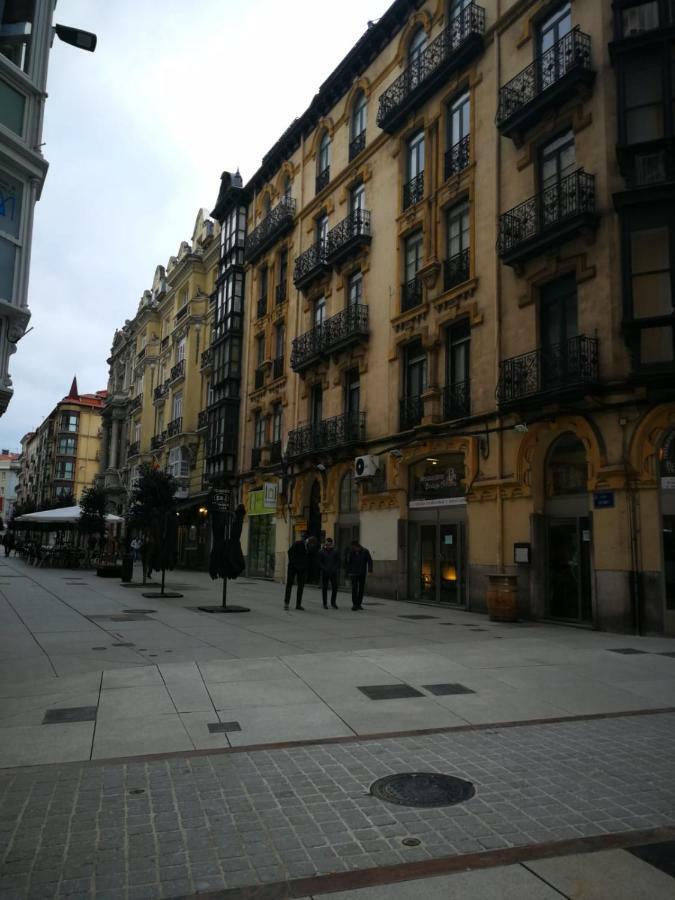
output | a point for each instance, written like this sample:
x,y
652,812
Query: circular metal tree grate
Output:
x,y
422,789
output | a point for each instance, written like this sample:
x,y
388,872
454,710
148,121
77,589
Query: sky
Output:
x,y
137,135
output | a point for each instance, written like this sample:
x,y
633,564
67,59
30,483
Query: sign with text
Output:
x,y
221,501
603,500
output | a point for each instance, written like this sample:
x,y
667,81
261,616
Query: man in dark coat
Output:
x,y
359,561
329,565
298,562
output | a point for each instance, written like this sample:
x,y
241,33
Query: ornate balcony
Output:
x,y
256,454
457,400
456,269
310,265
136,403
262,306
413,191
275,224
174,427
352,233
452,49
277,367
259,378
411,294
357,145
327,434
553,78
458,157
206,361
557,214
202,419
334,335
561,370
134,449
280,293
322,179
157,440
177,371
411,410
275,452
160,391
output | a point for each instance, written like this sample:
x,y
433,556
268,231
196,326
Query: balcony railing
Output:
x,y
413,191
332,335
259,377
453,48
411,411
181,314
557,213
280,293
161,391
357,145
273,226
134,448
136,403
256,454
202,419
164,345
548,370
411,294
157,440
178,370
275,452
352,233
329,433
322,179
262,306
140,355
456,269
458,157
552,79
277,367
206,359
310,264
457,400
174,427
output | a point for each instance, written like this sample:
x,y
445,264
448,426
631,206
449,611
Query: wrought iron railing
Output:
x,y
136,403
134,448
157,440
571,52
458,157
164,345
259,377
355,225
471,20
413,191
178,370
280,293
548,369
206,359
350,322
322,179
411,294
256,454
140,355
456,269
457,400
202,418
312,259
411,411
262,306
161,391
270,227
357,145
174,427
348,428
278,367
572,196
275,452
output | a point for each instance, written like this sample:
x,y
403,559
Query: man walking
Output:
x,y
329,564
298,561
359,561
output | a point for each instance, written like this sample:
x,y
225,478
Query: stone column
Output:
x,y
114,443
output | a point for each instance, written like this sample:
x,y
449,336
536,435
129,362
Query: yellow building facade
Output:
x,y
458,317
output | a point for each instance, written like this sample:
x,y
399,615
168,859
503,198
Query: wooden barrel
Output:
x,y
502,598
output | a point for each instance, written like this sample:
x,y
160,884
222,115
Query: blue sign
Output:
x,y
603,500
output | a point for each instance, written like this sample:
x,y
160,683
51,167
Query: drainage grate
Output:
x,y
72,714
389,691
444,690
120,617
139,612
424,789
221,727
626,651
418,617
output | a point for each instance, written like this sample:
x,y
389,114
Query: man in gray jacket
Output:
x,y
329,565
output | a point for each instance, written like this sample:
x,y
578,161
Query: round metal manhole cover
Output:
x,y
422,789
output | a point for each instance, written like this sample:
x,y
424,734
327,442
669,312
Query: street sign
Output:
x,y
221,501
603,500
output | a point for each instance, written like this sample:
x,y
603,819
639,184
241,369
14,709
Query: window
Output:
x,y
11,198
643,99
258,429
554,58
137,431
283,267
180,351
415,369
69,422
67,446
262,291
319,311
456,6
323,163
413,256
355,289
651,285
260,350
267,204
413,191
322,229
276,424
177,464
359,115
558,159
457,353
358,199
65,470
416,48
279,341
349,494
640,17
288,185
352,395
555,27
16,32
316,405
458,229
459,124
177,408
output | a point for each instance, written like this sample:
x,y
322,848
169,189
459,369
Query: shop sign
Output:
x,y
271,491
221,501
440,501
258,502
437,478
603,500
668,484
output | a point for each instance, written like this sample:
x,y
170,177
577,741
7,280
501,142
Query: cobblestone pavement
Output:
x,y
206,822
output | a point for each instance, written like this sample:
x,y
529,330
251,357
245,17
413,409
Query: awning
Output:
x,y
64,516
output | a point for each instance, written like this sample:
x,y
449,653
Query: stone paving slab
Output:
x,y
169,827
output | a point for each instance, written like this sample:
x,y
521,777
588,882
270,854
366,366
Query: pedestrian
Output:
x,y
136,545
359,561
329,565
147,558
298,561
9,543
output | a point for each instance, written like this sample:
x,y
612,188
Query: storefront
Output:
x,y
261,509
437,571
667,472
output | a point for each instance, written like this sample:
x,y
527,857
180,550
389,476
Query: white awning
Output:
x,y
64,516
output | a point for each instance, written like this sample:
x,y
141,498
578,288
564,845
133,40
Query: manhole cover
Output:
x,y
422,789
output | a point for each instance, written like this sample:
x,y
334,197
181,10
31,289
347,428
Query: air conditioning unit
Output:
x,y
366,466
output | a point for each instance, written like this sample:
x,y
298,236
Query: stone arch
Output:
x,y
534,447
466,445
420,19
324,125
648,439
286,170
361,86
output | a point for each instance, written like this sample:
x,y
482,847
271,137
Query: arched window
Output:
x,y
288,183
566,467
267,204
359,115
349,494
323,162
417,46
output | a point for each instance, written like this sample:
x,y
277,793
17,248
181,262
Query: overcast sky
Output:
x,y
137,135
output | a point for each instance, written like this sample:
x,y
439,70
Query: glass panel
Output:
x,y
555,27
558,159
459,120
650,249
438,477
413,256
428,564
669,560
416,156
8,253
639,18
652,295
355,293
643,88
458,229
12,106
319,311
358,198
450,576
11,192
566,467
656,345
563,569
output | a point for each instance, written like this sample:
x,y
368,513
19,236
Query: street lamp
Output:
x,y
83,40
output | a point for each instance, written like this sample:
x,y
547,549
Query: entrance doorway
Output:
x,y
437,563
667,472
261,550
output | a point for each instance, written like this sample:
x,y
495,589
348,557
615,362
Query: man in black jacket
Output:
x,y
298,561
329,564
359,561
